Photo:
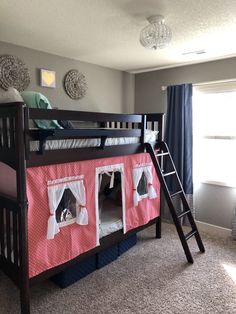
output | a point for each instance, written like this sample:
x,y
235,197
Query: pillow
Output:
x,y
37,100
11,95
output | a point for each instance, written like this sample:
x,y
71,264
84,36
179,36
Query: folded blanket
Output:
x,y
66,124
37,100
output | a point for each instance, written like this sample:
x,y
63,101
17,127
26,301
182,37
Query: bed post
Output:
x,y
161,121
23,207
143,129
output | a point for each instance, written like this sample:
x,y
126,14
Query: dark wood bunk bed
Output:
x,y
15,137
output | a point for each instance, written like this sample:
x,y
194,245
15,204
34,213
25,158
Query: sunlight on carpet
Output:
x,y
231,271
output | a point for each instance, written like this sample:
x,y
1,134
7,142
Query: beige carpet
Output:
x,y
153,277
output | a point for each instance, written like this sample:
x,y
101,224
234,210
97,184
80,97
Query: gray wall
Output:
x,y
214,204
108,90
128,92
148,93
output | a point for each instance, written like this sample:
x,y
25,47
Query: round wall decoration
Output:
x,y
75,84
13,73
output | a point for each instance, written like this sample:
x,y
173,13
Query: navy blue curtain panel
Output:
x,y
179,134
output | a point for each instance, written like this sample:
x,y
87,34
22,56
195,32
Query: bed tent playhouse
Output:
x,y
51,215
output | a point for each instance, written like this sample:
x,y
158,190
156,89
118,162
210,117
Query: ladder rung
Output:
x,y
190,234
161,154
168,173
176,193
184,213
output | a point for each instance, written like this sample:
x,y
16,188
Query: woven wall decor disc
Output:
x,y
13,73
75,84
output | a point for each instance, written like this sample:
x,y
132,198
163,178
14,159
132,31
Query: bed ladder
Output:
x,y
161,151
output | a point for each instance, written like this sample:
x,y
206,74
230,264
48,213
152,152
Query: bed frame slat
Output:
x,y
15,239
2,232
8,235
5,131
79,154
1,135
12,132
44,114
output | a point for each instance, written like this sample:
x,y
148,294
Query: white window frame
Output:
x,y
214,88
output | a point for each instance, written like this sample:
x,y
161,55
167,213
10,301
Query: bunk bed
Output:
x,y
24,151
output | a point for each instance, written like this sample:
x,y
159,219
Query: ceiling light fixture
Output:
x,y
157,34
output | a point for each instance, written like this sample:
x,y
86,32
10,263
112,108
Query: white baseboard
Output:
x,y
216,230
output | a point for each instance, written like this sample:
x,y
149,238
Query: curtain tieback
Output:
x,y
50,214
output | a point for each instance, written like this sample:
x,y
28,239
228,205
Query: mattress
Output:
x,y
150,136
111,219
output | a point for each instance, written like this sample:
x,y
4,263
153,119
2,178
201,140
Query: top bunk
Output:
x,y
90,135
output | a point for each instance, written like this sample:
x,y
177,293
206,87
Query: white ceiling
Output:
x,y
106,32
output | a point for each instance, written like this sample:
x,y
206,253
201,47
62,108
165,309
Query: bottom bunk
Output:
x,y
78,207
112,201
73,206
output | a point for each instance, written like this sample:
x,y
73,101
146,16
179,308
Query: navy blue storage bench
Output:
x,y
126,244
75,272
107,256
81,269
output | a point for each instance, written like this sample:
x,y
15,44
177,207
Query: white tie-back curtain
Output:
x,y
78,190
56,189
137,174
151,191
109,174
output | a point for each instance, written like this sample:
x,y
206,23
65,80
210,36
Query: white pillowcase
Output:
x,y
150,136
11,95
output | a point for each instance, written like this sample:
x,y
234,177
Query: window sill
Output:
x,y
67,223
218,183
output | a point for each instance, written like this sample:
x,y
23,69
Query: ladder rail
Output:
x,y
186,209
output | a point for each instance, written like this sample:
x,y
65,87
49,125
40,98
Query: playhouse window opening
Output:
x,y
66,210
142,188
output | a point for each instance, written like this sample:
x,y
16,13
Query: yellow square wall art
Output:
x,y
47,78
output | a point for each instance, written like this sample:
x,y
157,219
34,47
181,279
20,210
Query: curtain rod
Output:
x,y
164,87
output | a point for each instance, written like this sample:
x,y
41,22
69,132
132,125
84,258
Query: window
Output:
x,y
214,135
142,183
142,188
66,210
67,203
